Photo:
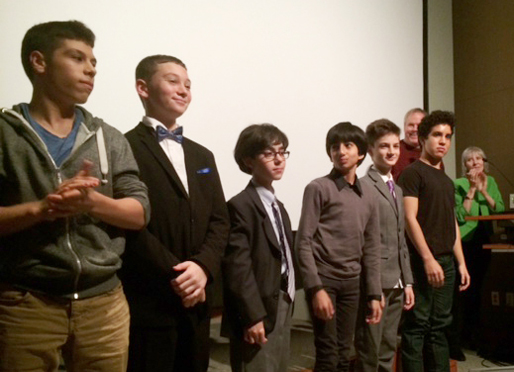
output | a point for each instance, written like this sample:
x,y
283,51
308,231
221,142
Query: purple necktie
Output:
x,y
390,184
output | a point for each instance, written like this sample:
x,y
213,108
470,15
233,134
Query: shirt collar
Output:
x,y
265,194
385,177
341,182
152,123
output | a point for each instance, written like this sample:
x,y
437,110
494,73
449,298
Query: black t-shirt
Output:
x,y
436,198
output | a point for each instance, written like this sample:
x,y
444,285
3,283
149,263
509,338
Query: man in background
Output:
x,y
410,149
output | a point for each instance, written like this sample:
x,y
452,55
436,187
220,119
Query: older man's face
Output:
x,y
411,128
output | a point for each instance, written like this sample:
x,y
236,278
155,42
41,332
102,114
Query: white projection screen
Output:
x,y
303,65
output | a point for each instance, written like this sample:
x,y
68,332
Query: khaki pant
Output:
x,y
92,333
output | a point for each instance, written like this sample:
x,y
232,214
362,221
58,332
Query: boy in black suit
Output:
x,y
168,266
258,270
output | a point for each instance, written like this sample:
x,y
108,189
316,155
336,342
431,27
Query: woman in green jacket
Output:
x,y
476,194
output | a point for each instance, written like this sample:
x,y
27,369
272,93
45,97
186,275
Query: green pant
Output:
x,y
424,344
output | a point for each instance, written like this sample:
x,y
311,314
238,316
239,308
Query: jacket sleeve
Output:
x,y
404,250
147,251
492,189
406,267
125,174
371,252
238,275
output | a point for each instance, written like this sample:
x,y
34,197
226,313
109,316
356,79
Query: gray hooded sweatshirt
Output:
x,y
75,257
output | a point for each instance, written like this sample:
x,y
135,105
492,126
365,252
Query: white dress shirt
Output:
x,y
173,150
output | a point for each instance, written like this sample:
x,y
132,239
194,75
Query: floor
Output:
x,y
302,353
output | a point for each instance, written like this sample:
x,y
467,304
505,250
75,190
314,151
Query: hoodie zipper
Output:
x,y
59,180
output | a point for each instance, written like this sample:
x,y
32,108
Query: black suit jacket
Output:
x,y
182,227
251,266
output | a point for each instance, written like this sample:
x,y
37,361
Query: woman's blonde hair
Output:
x,y
470,151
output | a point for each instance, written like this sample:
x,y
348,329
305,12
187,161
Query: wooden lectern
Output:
x,y
497,298
494,217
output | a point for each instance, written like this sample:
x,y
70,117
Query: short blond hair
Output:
x,y
470,151
413,111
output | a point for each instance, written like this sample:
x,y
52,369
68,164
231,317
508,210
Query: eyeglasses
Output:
x,y
272,155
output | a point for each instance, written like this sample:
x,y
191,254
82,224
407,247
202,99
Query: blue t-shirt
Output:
x,y
59,148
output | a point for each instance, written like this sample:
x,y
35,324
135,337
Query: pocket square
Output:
x,y
204,171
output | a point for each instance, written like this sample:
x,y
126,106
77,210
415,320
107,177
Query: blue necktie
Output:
x,y
175,135
288,275
278,222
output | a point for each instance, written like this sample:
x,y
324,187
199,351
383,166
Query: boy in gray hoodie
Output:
x,y
69,186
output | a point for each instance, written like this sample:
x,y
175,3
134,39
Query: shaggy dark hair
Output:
x,y
254,139
347,132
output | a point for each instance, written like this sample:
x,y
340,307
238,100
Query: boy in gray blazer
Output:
x,y
376,344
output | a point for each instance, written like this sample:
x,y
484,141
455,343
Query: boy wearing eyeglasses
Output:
x,y
258,273
338,239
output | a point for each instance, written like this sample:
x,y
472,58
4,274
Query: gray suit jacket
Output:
x,y
395,260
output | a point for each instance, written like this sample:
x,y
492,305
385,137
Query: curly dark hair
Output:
x,y
435,118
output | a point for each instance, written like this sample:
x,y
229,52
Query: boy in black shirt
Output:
x,y
434,242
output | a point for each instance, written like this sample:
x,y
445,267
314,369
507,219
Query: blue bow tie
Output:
x,y
175,135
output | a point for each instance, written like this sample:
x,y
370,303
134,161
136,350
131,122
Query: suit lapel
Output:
x,y
267,222
193,165
381,186
149,140
399,196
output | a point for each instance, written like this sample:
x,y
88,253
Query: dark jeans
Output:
x,y
477,261
424,344
467,305
333,338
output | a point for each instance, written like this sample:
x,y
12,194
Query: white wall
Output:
x,y
440,68
302,65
